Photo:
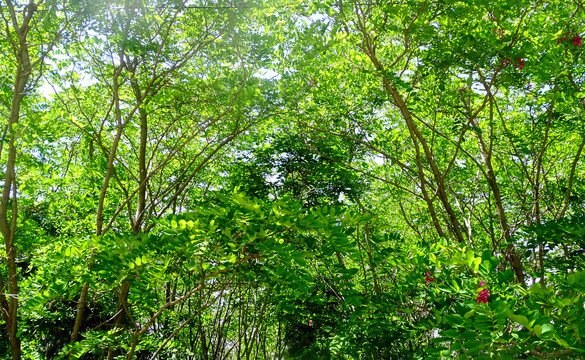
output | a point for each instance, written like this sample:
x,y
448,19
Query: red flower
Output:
x,y
520,64
428,277
577,40
483,294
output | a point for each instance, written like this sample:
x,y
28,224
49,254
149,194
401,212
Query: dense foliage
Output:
x,y
266,179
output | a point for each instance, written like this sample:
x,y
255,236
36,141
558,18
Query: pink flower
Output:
x,y
483,297
310,322
428,277
577,40
483,294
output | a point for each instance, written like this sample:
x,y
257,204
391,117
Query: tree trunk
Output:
x,y
9,200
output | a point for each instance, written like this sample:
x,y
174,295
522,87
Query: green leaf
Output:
x,y
451,333
473,346
455,320
546,329
475,263
521,319
470,313
562,342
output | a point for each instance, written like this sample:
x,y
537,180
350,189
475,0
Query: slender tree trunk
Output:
x,y
17,36
418,141
120,312
9,200
100,210
139,216
141,160
540,171
417,137
493,184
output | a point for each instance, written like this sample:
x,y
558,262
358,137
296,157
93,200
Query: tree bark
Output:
x,y
9,200
493,184
102,199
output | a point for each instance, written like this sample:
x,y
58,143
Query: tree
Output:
x,y
338,179
31,30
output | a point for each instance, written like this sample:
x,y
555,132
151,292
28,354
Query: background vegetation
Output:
x,y
194,179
